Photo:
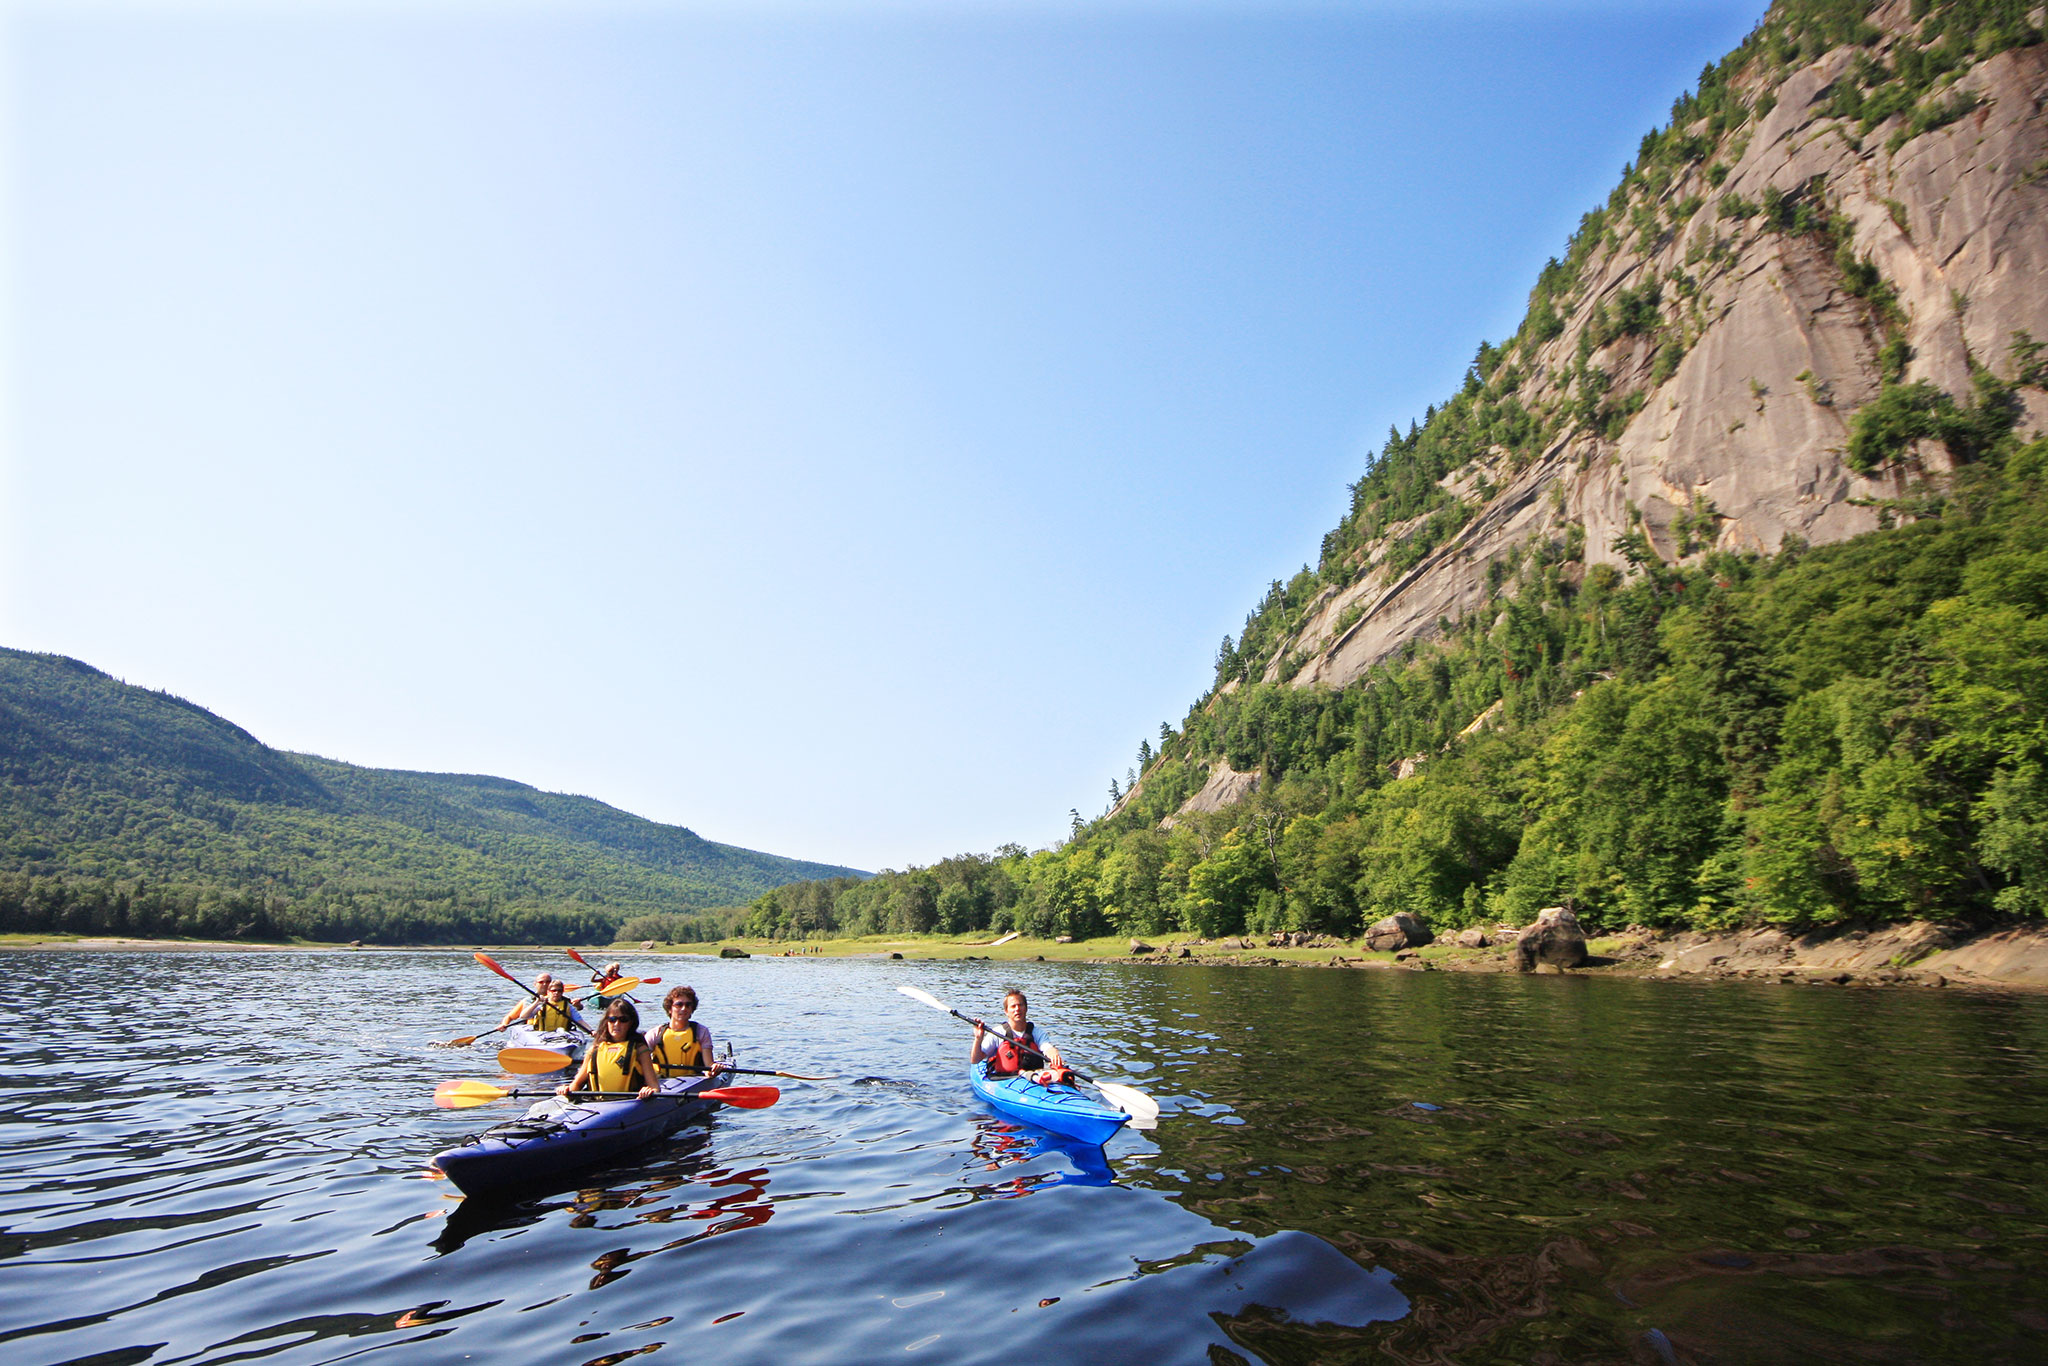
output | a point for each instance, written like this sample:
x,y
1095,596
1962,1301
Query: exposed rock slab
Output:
x,y
1225,786
1755,417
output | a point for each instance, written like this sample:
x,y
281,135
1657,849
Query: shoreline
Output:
x,y
2012,956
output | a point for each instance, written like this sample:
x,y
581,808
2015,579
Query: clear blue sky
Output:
x,y
843,429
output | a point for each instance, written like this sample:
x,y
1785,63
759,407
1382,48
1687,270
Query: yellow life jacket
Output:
x,y
679,1053
548,1017
615,1066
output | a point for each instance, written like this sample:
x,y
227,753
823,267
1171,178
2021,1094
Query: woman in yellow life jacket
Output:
x,y
681,1047
618,1059
552,1010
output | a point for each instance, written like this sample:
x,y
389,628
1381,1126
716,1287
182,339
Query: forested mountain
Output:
x,y
127,811
1715,594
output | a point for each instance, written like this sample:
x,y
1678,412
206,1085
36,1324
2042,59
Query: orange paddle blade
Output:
x,y
579,958
492,964
746,1097
461,1095
532,1061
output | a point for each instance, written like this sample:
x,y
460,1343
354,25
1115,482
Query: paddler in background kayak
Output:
x,y
1029,1050
680,1047
552,1012
519,1008
618,1060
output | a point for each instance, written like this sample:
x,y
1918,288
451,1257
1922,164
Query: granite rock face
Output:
x,y
1225,787
1750,425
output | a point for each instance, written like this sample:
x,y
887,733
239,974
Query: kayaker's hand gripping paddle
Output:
x,y
1143,1110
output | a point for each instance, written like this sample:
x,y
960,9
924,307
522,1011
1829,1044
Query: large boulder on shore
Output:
x,y
1398,931
1473,939
1555,939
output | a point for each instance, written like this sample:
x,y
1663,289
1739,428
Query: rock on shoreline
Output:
x,y
1916,954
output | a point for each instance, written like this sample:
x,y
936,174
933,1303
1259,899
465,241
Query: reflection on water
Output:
x,y
1000,1143
1349,1166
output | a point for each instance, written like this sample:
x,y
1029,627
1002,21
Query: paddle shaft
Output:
x,y
1003,1031
751,1072
465,1095
493,965
650,981
698,1068
1143,1110
468,1039
590,1095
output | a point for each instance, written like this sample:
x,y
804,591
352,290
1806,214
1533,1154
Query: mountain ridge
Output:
x,y
1716,595
1686,378
126,787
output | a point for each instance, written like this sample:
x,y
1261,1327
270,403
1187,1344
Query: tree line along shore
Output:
x,y
2004,956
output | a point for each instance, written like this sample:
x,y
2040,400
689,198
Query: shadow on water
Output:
x,y
1350,1167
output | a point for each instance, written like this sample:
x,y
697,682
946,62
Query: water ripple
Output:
x,y
1351,1167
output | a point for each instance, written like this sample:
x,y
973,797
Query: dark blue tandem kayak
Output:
x,y
1061,1109
538,1148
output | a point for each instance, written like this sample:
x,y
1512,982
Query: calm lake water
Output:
x,y
219,1158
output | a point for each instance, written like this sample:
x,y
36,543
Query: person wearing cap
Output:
x,y
519,1008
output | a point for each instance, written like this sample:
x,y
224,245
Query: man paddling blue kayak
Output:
x,y
1141,1110
1024,1050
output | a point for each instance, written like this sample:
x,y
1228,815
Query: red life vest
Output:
x,y
1009,1058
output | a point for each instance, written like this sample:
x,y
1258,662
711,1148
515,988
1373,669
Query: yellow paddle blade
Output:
x,y
619,987
532,1061
461,1095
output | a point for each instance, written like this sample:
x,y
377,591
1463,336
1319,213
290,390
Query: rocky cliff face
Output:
x,y
1856,225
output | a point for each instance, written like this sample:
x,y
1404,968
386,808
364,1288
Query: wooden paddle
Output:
x,y
561,1060
464,1095
1143,1110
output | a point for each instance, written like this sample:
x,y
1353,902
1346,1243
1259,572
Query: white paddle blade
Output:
x,y
1143,1110
927,998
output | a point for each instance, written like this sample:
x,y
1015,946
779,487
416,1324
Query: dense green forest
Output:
x,y
1853,733
125,811
1848,733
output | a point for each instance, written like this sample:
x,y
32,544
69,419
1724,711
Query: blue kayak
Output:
x,y
1061,1109
538,1148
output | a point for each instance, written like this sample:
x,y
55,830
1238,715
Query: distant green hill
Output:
x,y
127,811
